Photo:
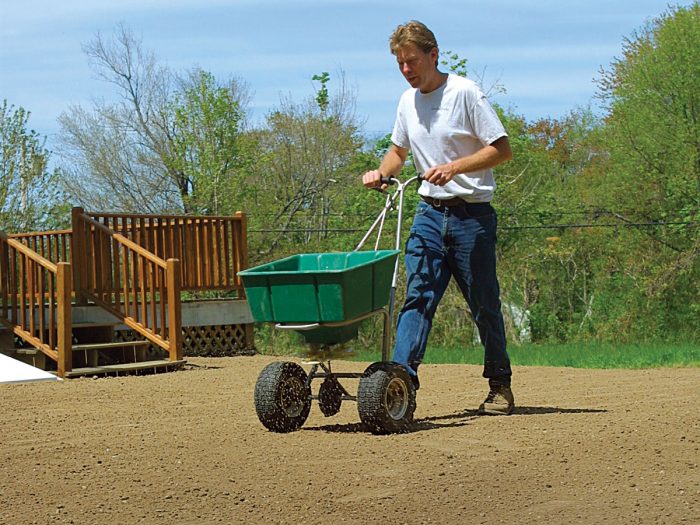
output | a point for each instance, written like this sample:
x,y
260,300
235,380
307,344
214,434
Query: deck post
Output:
x,y
242,249
249,328
174,309
5,286
78,256
64,318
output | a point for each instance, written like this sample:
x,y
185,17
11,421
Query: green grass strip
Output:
x,y
583,355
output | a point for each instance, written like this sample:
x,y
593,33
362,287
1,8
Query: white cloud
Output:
x,y
546,53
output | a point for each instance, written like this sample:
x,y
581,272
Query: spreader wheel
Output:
x,y
386,398
282,396
330,396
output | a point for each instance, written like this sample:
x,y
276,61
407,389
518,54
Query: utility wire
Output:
x,y
524,227
607,225
594,213
501,213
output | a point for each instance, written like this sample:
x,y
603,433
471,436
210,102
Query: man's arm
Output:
x,y
391,165
487,157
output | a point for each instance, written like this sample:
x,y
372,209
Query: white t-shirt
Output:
x,y
451,122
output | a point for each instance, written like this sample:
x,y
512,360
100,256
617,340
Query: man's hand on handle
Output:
x,y
391,164
373,179
439,175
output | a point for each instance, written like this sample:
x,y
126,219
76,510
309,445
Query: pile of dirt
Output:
x,y
584,446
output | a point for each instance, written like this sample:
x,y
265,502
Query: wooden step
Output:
x,y
125,368
31,356
26,351
94,325
86,324
108,346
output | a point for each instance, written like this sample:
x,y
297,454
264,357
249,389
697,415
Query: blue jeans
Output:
x,y
457,242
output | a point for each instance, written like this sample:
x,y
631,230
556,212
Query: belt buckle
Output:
x,y
437,203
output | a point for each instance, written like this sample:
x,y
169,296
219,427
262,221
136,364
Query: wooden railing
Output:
x,y
134,266
35,297
211,250
126,279
54,246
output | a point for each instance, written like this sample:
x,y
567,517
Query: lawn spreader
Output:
x,y
325,297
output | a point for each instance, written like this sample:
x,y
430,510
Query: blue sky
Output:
x,y
545,53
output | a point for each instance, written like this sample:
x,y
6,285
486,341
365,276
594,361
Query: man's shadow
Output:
x,y
457,419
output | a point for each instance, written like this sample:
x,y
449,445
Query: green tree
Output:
x,y
653,96
206,149
322,94
29,196
653,134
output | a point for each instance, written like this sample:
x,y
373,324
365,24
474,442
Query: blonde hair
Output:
x,y
412,32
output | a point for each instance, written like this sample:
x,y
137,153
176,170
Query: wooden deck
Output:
x,y
132,266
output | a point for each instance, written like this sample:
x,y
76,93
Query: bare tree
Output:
x,y
125,154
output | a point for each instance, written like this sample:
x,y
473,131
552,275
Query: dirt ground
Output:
x,y
584,446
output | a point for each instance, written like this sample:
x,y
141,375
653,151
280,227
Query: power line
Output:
x,y
606,225
503,213
524,227
593,212
307,230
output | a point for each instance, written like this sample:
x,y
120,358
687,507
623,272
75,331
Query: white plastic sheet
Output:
x,y
13,371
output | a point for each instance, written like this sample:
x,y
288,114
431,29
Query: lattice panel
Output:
x,y
219,340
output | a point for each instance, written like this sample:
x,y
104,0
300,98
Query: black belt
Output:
x,y
450,203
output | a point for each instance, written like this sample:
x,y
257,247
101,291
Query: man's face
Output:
x,y
417,66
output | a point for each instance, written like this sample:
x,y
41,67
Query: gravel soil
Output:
x,y
584,446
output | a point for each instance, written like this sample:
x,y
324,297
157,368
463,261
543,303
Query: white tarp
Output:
x,y
13,371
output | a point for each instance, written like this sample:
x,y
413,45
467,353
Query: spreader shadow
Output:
x,y
457,419
352,428
429,423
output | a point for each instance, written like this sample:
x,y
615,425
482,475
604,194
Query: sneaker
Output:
x,y
499,401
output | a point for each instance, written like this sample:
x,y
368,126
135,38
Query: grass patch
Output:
x,y
576,355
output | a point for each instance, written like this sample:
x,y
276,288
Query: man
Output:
x,y
456,138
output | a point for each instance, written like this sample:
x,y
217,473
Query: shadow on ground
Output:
x,y
457,419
